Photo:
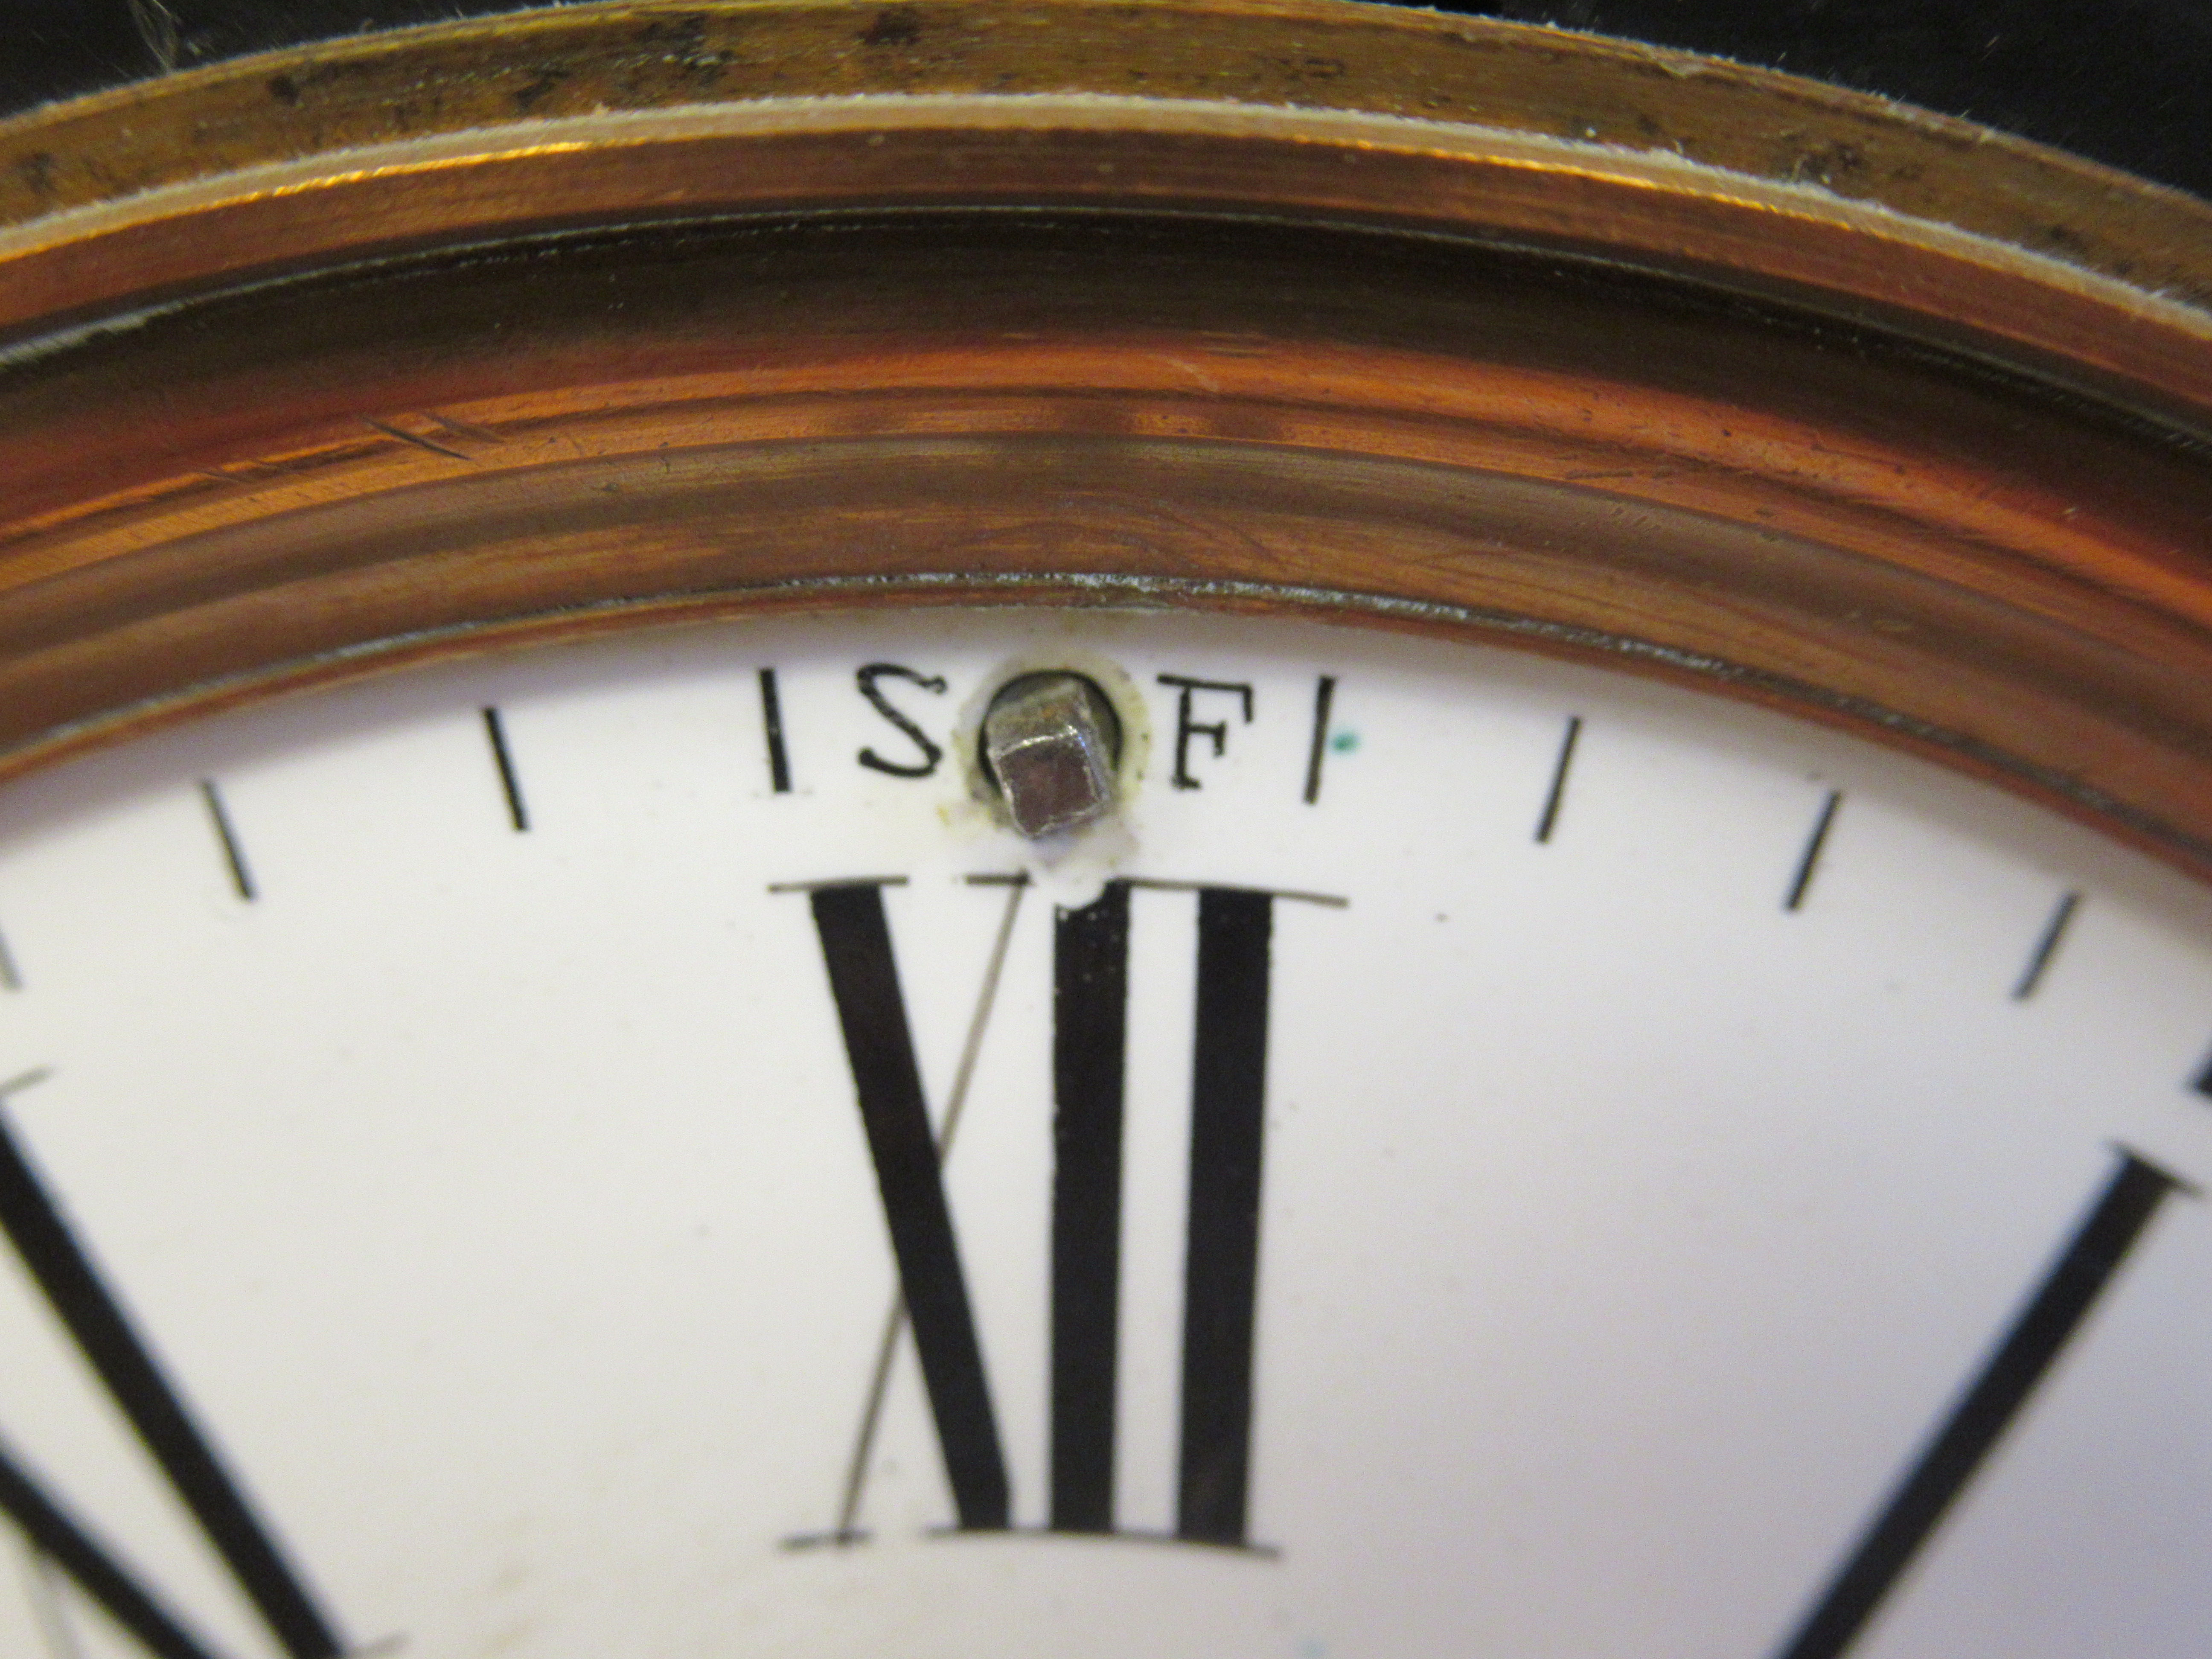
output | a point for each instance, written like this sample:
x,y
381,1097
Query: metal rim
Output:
x,y
1881,457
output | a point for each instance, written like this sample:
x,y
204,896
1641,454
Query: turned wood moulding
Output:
x,y
426,342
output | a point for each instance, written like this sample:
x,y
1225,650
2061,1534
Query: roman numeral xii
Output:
x,y
1090,972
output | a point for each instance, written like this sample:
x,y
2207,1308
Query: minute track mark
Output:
x,y
2046,947
1808,861
502,758
226,834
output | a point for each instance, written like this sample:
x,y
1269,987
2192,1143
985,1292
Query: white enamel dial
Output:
x,y
478,1089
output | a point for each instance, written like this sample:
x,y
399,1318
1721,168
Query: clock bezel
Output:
x,y
1859,447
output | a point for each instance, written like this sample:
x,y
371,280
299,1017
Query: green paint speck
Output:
x,y
1345,742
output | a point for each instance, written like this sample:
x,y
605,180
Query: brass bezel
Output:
x,y
334,359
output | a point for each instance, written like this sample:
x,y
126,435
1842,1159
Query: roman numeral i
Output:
x,y
1091,954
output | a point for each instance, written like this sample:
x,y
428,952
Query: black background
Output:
x,y
2126,81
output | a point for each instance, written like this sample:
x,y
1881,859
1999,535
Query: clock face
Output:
x,y
907,1027
625,1150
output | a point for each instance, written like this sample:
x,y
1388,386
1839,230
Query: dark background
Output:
x,y
2126,81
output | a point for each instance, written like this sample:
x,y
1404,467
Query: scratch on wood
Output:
x,y
462,428
157,26
419,442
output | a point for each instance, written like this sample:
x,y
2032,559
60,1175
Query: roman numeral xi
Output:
x,y
1090,952
111,1343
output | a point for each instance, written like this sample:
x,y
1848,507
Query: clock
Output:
x,y
1204,829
